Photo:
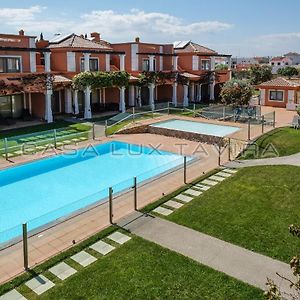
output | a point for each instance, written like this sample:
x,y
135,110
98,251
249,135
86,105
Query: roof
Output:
x,y
76,41
279,58
190,76
61,79
281,82
189,46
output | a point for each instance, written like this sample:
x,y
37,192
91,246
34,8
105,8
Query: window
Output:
x,y
146,65
276,95
205,64
11,106
94,65
10,65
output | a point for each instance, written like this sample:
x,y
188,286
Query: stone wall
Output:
x,y
191,136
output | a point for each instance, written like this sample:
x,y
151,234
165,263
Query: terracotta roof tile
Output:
x,y
281,82
75,41
193,47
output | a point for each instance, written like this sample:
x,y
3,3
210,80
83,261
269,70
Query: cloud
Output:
x,y
138,22
113,26
13,16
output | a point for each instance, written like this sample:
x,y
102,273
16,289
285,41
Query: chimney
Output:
x,y
137,39
21,32
95,36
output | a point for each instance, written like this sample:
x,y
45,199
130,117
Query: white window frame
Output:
x,y
148,64
272,100
91,57
14,56
209,64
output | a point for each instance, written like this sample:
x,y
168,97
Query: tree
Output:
x,y
288,71
259,74
273,292
236,92
221,67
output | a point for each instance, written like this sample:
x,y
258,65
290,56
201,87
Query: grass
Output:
x,y
285,140
143,270
252,209
34,128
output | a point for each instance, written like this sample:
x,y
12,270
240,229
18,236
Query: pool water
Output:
x,y
197,127
43,191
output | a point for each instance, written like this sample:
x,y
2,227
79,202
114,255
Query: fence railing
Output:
x,y
43,140
35,227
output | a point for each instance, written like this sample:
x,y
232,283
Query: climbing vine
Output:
x,y
159,77
100,79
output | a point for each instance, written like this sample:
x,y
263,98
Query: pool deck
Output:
x,y
60,237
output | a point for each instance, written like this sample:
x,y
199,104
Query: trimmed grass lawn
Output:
x,y
143,270
285,140
252,209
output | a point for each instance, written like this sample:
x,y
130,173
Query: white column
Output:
x,y
103,96
138,96
59,101
212,63
230,67
68,101
192,95
199,96
122,105
174,95
75,99
151,63
107,62
48,108
175,63
122,62
24,101
151,95
212,91
87,103
86,62
131,95
29,103
47,61
185,95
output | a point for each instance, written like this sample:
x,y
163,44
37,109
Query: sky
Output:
x,y
237,27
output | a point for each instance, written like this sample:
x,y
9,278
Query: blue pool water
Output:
x,y
45,190
197,127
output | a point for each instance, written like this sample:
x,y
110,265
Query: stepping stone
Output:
x,y
202,187
192,192
102,247
217,178
19,152
12,295
224,174
162,211
183,198
84,258
173,204
119,237
62,271
232,171
40,284
209,182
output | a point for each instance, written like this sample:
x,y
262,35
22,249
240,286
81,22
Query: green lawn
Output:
x,y
143,270
34,128
252,209
285,140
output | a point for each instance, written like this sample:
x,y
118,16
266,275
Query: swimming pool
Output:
x,y
197,127
43,191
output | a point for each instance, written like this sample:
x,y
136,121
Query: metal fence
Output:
x,y
108,200
42,141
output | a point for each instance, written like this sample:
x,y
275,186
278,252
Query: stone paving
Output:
x,y
12,295
40,284
193,192
209,182
62,271
119,237
83,258
235,261
102,247
217,178
183,198
162,211
173,204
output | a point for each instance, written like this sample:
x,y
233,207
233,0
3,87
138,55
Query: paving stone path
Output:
x,y
189,194
293,160
235,261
